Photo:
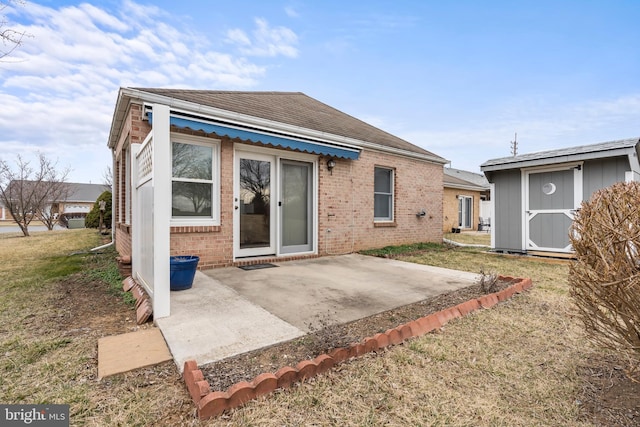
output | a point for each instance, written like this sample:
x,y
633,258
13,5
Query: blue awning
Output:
x,y
264,138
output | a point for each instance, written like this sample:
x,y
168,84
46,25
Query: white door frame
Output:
x,y
275,156
237,206
528,215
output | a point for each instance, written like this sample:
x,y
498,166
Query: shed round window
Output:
x,y
549,188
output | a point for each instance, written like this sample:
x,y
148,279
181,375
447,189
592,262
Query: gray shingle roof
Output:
x,y
79,192
461,177
604,149
292,108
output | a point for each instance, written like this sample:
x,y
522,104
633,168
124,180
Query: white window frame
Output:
x,y
390,195
214,144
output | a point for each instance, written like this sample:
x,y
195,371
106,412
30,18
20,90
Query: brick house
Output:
x,y
252,177
465,200
77,199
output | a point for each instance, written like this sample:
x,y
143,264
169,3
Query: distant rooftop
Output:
x,y
80,192
459,178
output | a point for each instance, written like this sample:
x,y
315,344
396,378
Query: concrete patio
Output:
x,y
230,311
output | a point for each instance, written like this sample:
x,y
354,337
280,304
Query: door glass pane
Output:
x,y
295,204
255,202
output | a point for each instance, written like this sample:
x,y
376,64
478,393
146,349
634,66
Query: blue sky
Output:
x,y
458,78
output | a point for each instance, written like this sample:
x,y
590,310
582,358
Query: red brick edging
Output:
x,y
212,403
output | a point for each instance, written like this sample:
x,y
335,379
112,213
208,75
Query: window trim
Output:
x,y
214,144
391,195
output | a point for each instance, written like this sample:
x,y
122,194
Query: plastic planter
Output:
x,y
183,270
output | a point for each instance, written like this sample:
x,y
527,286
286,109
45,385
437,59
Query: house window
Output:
x,y
194,172
465,211
383,194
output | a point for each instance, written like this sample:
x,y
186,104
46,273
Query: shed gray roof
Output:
x,y
583,152
290,108
458,178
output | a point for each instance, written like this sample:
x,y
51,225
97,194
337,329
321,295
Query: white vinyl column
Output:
x,y
161,210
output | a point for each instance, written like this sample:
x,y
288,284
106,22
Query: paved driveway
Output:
x,y
230,311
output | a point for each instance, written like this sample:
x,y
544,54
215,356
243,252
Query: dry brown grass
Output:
x,y
50,321
513,365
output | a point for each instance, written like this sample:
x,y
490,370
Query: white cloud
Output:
x,y
265,41
59,90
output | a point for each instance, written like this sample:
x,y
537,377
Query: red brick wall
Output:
x,y
345,205
133,131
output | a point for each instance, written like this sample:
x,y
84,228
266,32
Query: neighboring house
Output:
x,y
465,200
251,177
78,200
535,195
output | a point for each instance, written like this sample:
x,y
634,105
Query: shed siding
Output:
x,y
601,173
508,213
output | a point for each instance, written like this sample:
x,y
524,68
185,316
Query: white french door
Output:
x,y
465,212
253,207
274,205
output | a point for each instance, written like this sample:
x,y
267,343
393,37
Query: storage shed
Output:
x,y
536,195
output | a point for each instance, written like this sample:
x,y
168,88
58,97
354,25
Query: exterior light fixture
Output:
x,y
330,165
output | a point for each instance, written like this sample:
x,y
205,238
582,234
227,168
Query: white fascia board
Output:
x,y
272,126
117,120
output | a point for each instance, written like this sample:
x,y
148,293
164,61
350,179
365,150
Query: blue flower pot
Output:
x,y
183,270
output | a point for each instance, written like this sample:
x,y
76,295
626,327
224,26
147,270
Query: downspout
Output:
x,y
113,222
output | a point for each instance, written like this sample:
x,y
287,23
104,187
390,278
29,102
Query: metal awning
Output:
x,y
306,146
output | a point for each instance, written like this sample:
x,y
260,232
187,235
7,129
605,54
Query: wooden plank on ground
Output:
x,y
126,352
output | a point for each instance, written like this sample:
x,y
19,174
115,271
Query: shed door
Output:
x,y
552,196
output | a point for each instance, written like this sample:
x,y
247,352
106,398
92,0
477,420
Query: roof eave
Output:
x,y
557,159
466,187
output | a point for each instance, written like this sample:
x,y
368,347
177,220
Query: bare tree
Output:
x,y
29,192
107,177
11,39
49,212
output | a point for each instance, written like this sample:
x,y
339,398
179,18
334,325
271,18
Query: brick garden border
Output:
x,y
213,403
